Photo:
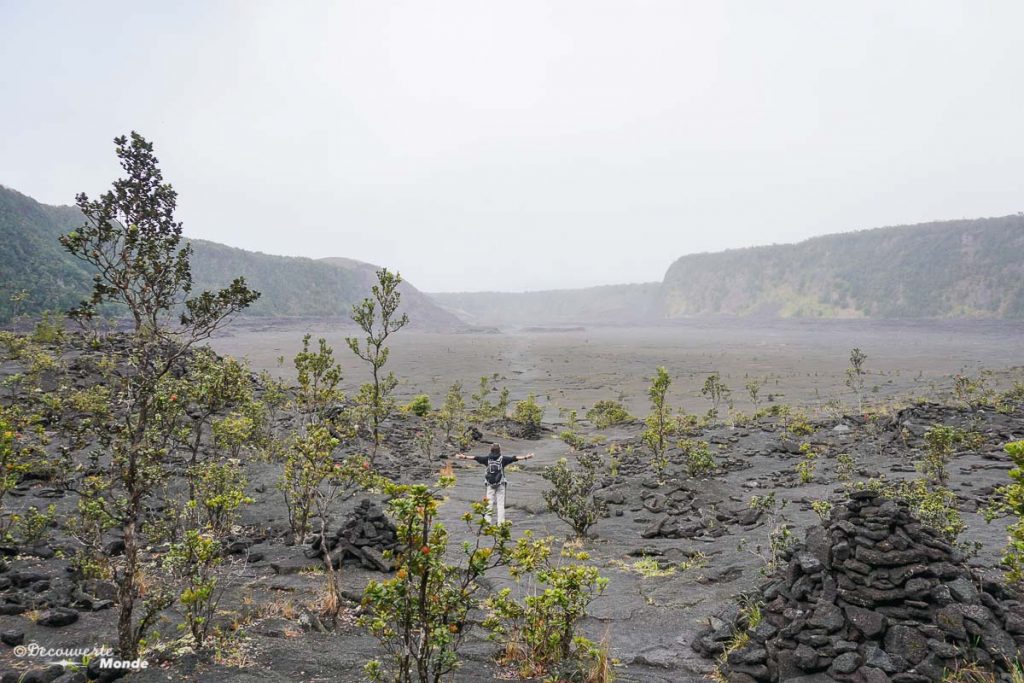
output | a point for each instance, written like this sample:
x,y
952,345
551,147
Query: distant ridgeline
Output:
x,y
964,268
948,269
32,260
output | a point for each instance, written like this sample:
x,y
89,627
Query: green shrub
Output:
x,y
805,468
780,536
934,507
538,620
194,562
528,414
420,616
699,461
33,526
451,417
419,406
1011,499
608,413
846,466
571,496
941,442
570,435
49,329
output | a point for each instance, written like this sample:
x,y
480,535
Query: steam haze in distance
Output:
x,y
528,145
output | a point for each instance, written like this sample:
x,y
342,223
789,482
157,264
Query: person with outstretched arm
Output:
x,y
494,477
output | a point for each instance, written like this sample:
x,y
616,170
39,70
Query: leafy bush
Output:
x,y
14,459
32,526
233,431
570,436
800,426
219,495
845,467
194,561
822,508
484,409
608,413
419,406
699,461
420,616
538,621
308,465
780,536
941,443
529,414
1012,500
805,468
49,329
934,507
571,496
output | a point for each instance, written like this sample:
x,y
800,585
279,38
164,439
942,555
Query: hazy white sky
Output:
x,y
523,145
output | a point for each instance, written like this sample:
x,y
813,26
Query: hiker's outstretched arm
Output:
x,y
526,457
463,456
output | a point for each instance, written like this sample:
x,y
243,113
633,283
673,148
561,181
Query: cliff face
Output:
x,y
966,268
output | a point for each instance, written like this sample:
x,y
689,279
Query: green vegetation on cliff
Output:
x,y
962,268
32,262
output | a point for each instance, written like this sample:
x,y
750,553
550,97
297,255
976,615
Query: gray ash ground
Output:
x,y
651,622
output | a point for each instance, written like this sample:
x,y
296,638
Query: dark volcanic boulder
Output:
x,y
872,596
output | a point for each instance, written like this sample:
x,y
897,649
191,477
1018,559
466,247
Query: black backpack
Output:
x,y
495,475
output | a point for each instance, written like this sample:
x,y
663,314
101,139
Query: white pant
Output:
x,y
496,499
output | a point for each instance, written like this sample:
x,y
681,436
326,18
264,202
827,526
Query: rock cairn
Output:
x,y
873,596
364,536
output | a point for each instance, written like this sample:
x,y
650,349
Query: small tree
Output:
x,y
855,376
133,241
754,392
318,375
571,496
570,435
309,463
421,615
452,416
378,318
209,386
194,562
717,392
659,424
941,442
483,408
346,479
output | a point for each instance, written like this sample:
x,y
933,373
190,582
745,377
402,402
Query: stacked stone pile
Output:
x,y
873,596
364,536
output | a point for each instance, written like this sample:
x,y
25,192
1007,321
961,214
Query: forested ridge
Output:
x,y
39,272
